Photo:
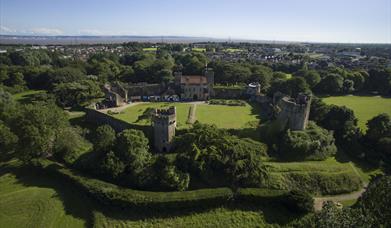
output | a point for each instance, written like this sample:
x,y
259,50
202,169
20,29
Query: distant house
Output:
x,y
195,87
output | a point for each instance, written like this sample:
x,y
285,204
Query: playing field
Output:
x,y
199,49
222,116
150,49
364,107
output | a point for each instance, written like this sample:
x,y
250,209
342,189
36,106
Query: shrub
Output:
x,y
314,143
299,201
315,182
260,195
113,195
227,102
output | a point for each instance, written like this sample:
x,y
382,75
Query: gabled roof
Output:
x,y
193,79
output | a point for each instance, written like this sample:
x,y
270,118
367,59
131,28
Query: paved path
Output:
x,y
120,108
192,114
318,201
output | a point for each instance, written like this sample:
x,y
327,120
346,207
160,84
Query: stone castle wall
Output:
x,y
95,117
293,114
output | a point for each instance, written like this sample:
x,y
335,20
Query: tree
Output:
x,y
3,74
380,80
16,79
132,148
37,127
219,158
312,77
348,86
262,75
379,127
319,109
69,145
378,139
111,166
104,138
331,84
8,107
376,201
8,139
80,93
341,120
299,201
65,75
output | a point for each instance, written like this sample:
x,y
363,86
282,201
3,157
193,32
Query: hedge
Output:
x,y
113,195
316,182
260,195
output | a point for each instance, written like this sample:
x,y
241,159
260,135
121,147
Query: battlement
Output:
x,y
165,112
164,124
294,112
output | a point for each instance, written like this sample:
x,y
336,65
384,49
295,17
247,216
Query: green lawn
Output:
x,y
199,49
30,200
26,94
233,50
150,49
132,114
224,116
364,107
330,165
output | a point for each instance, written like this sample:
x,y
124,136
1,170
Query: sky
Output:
x,y
351,21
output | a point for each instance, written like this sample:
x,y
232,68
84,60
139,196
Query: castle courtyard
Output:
x,y
223,116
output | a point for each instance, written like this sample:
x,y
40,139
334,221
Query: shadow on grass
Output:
x,y
75,203
252,130
79,205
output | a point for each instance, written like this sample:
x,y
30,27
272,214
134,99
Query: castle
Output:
x,y
293,113
164,124
195,87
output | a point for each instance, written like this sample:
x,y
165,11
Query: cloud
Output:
x,y
46,31
6,30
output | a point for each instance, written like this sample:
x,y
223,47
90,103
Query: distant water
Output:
x,y
66,40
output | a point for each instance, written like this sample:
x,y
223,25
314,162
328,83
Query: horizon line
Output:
x,y
229,39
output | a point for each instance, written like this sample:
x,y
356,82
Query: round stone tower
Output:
x,y
164,124
294,112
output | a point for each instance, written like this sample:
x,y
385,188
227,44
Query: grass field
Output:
x,y
233,50
234,116
199,49
364,107
26,94
224,116
132,113
28,200
150,49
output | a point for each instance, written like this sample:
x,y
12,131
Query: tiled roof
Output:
x,y
193,79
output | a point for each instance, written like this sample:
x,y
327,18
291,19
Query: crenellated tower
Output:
x,y
164,124
293,113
